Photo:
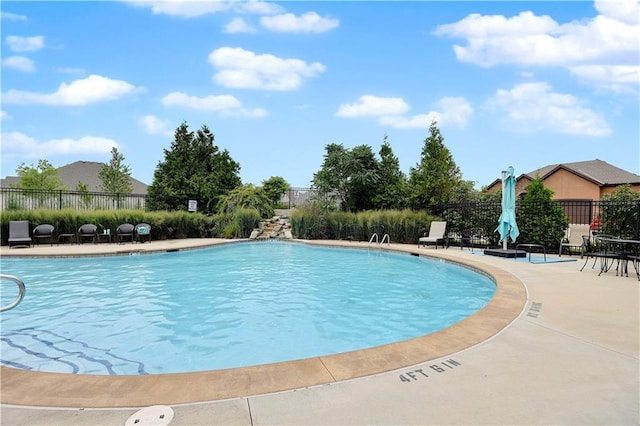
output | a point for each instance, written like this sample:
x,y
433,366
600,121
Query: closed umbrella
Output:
x,y
507,226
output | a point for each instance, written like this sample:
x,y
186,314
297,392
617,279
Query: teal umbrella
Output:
x,y
507,226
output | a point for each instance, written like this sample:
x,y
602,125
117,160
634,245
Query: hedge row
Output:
x,y
403,226
164,225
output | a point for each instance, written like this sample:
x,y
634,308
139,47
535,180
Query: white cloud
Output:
x,y
19,144
391,112
19,63
450,111
25,44
454,111
534,107
154,126
621,78
258,7
92,89
420,121
309,22
4,115
183,8
13,16
223,104
238,25
197,8
369,105
609,39
620,10
243,69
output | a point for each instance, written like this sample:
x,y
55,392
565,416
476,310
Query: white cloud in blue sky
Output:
x,y
25,44
92,89
509,83
20,63
309,22
242,69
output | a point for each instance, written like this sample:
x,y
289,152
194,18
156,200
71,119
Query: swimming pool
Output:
x,y
229,306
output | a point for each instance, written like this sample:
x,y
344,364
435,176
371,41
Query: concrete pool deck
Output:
x,y
555,346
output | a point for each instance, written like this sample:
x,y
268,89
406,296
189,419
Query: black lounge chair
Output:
x,y
143,231
125,231
19,233
43,232
88,231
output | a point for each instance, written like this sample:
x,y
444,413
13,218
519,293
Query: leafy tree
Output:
x,y
392,188
193,168
348,176
332,181
246,197
433,180
275,187
116,176
540,219
619,212
43,176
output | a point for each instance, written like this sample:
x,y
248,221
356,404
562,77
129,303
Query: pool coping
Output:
x,y
29,388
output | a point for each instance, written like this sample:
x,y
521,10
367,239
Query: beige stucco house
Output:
x,y
582,180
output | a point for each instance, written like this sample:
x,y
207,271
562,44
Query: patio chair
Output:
x,y
19,233
88,232
436,235
42,232
601,249
143,231
125,231
573,239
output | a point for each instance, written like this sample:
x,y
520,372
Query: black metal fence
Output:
x,y
28,199
17,199
613,217
621,218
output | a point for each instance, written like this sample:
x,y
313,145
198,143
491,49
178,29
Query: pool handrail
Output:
x,y
21,291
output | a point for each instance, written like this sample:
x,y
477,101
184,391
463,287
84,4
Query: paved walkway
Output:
x,y
571,356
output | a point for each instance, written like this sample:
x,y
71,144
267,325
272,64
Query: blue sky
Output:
x,y
526,84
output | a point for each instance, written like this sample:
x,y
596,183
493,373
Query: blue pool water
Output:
x,y
227,306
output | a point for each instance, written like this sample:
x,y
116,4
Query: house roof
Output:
x,y
81,171
596,171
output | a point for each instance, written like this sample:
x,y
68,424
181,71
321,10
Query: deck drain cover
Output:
x,y
156,415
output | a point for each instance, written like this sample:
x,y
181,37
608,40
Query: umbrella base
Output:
x,y
508,253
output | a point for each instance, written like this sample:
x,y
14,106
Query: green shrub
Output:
x,y
164,225
403,226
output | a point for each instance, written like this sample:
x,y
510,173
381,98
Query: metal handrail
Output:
x,y
381,242
21,291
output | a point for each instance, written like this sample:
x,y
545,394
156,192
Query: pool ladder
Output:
x,y
375,237
21,290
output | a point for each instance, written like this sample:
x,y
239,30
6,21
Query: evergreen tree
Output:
x,y
193,169
433,179
392,192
